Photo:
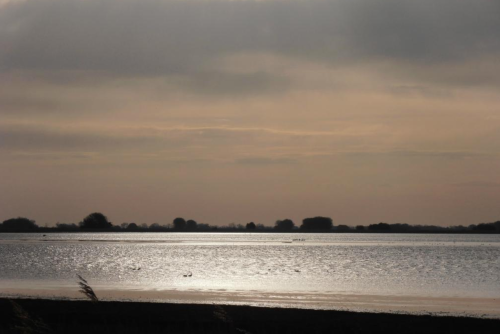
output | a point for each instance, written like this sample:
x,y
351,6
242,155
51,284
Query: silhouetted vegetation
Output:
x,y
284,225
19,224
379,227
494,227
317,224
67,227
95,220
179,224
86,289
132,227
251,226
27,323
191,225
83,317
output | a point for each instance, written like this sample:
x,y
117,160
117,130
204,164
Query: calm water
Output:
x,y
353,271
355,264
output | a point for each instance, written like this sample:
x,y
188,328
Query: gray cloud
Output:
x,y
15,104
264,161
236,84
248,146
14,137
455,155
149,98
131,37
478,184
136,140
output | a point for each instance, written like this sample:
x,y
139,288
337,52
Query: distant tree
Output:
x,y
360,228
66,227
406,227
204,227
179,224
19,224
191,225
251,226
132,227
317,224
380,227
155,226
485,228
95,220
284,225
343,228
124,225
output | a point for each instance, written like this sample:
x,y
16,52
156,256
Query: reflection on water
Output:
x,y
372,264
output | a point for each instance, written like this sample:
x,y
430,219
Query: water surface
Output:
x,y
310,267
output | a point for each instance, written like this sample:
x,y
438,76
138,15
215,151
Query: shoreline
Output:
x,y
65,316
410,305
42,230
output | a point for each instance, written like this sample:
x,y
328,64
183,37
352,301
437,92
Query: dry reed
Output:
x,y
86,289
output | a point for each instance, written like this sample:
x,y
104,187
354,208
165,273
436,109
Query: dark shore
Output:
x,y
51,316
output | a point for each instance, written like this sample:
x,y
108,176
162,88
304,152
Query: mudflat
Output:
x,y
451,306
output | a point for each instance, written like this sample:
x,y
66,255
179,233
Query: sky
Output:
x,y
236,111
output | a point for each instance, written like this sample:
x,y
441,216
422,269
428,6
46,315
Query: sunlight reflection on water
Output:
x,y
377,264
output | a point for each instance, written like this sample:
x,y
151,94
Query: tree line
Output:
x,y
99,222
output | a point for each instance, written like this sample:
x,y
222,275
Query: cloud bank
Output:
x,y
221,107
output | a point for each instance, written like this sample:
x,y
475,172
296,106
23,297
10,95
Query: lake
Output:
x,y
382,272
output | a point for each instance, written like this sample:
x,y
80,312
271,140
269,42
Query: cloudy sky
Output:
x,y
235,111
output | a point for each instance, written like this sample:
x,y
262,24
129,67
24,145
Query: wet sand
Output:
x,y
470,307
56,316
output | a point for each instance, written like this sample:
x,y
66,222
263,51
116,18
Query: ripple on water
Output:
x,y
431,265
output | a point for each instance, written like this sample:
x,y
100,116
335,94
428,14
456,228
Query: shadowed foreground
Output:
x,y
50,316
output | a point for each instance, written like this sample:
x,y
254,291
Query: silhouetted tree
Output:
x,y
191,225
66,227
380,227
343,228
485,228
360,228
132,227
317,224
284,225
179,224
251,226
95,220
204,227
19,224
156,227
